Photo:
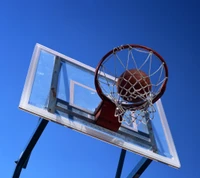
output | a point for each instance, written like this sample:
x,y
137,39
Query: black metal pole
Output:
x,y
23,160
120,164
140,168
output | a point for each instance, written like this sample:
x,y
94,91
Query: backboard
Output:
x,y
61,89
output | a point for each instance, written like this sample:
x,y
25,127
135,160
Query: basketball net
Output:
x,y
140,60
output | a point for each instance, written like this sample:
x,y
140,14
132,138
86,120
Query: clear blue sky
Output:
x,y
86,30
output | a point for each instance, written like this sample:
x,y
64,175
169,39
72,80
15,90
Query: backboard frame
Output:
x,y
83,121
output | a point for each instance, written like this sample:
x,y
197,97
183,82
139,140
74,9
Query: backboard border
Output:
x,y
92,129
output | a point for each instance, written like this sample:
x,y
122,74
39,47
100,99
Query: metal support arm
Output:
x,y
120,164
24,157
137,170
140,168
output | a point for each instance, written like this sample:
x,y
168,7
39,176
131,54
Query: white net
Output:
x,y
132,77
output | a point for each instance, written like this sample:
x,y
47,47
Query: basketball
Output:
x,y
133,85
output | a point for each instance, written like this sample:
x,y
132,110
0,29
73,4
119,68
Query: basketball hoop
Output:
x,y
131,78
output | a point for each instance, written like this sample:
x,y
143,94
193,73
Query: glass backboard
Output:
x,y
61,89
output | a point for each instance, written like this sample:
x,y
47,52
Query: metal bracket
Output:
x,y
54,84
152,137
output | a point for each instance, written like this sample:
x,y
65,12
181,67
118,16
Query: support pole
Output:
x,y
120,164
24,157
140,168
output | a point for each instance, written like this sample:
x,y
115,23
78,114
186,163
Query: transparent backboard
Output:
x,y
61,89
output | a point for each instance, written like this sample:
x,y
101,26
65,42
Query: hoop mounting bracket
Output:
x,y
104,116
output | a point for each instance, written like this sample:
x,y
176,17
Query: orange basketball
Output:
x,y
133,85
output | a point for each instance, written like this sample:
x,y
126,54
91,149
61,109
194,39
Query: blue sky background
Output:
x,y
86,30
